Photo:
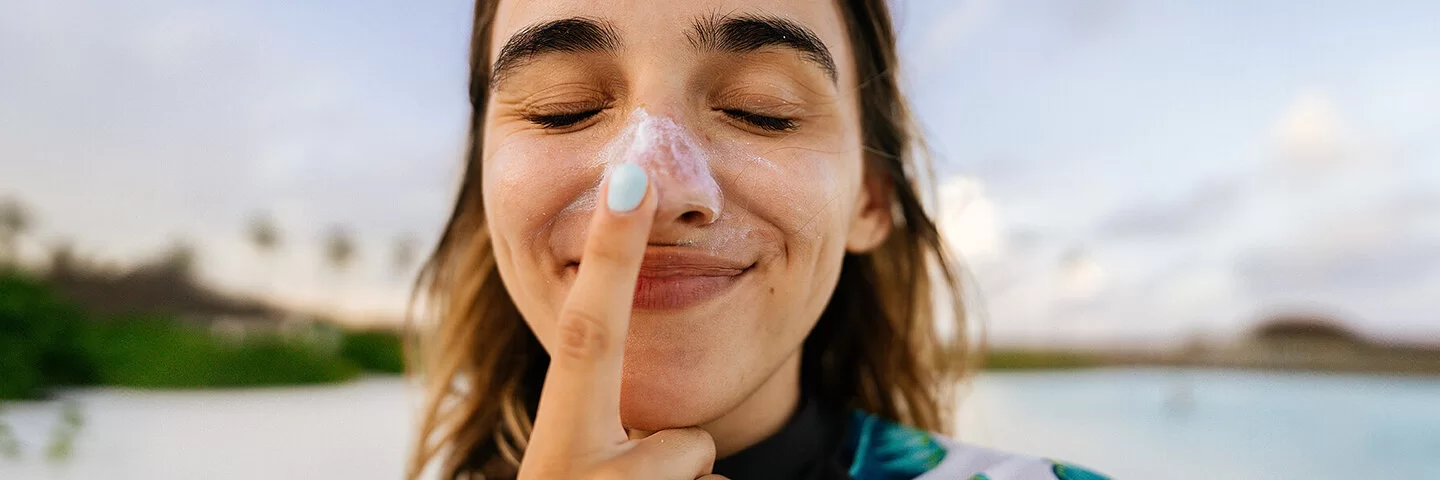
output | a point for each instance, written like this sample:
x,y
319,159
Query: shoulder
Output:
x,y
883,450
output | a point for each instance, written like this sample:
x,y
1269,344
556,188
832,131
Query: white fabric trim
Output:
x,y
963,461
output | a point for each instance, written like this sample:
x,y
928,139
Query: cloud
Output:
x,y
1420,205
1243,198
1348,254
1204,207
1093,17
128,124
1310,134
948,30
1379,263
968,218
1081,275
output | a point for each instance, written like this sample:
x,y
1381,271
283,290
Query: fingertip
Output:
x,y
627,188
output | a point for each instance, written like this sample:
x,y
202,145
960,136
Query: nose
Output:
x,y
679,166
688,196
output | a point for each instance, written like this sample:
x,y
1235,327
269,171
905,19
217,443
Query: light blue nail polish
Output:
x,y
627,188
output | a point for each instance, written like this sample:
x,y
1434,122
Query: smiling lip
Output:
x,y
676,278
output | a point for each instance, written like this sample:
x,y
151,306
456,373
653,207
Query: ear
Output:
x,y
871,221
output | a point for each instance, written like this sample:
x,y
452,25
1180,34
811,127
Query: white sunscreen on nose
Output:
x,y
668,152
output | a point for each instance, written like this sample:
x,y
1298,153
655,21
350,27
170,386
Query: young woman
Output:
x,y
688,244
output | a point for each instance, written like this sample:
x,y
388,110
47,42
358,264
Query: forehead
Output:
x,y
647,25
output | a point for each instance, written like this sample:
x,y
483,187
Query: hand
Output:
x,y
578,434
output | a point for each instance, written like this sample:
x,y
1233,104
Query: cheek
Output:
x,y
803,193
808,190
806,195
527,184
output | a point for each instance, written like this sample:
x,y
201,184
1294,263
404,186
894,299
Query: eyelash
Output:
x,y
562,120
763,122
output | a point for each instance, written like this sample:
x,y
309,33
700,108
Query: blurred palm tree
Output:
x,y
406,249
64,262
179,261
339,249
340,254
15,220
264,235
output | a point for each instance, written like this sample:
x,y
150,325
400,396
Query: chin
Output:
x,y
656,397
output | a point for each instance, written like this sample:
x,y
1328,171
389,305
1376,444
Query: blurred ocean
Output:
x,y
1131,423
1212,424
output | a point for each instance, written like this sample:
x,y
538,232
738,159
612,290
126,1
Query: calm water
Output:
x,y
1130,423
1177,424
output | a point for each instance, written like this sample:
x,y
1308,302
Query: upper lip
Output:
x,y
663,262
667,261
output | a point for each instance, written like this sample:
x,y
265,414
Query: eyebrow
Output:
x,y
748,33
736,34
568,35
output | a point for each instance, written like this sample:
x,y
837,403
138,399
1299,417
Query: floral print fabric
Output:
x,y
882,450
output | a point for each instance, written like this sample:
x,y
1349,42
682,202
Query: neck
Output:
x,y
762,414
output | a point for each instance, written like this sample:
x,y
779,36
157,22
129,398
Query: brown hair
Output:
x,y
875,347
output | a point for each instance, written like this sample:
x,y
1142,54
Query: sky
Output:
x,y
1110,170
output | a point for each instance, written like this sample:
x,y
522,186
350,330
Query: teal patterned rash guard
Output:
x,y
883,450
823,444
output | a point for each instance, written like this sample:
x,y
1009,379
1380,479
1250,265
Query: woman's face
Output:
x,y
743,113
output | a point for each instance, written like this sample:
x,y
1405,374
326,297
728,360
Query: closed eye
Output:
x,y
562,120
764,122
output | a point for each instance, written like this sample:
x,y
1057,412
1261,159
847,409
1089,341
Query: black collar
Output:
x,y
808,447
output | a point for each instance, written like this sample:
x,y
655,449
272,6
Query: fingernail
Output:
x,y
627,188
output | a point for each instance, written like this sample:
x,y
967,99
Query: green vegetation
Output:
x,y
1039,360
40,339
46,342
160,353
374,350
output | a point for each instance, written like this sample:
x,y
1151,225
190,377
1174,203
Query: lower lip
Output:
x,y
679,291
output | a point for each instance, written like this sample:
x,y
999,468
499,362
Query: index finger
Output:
x,y
581,396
